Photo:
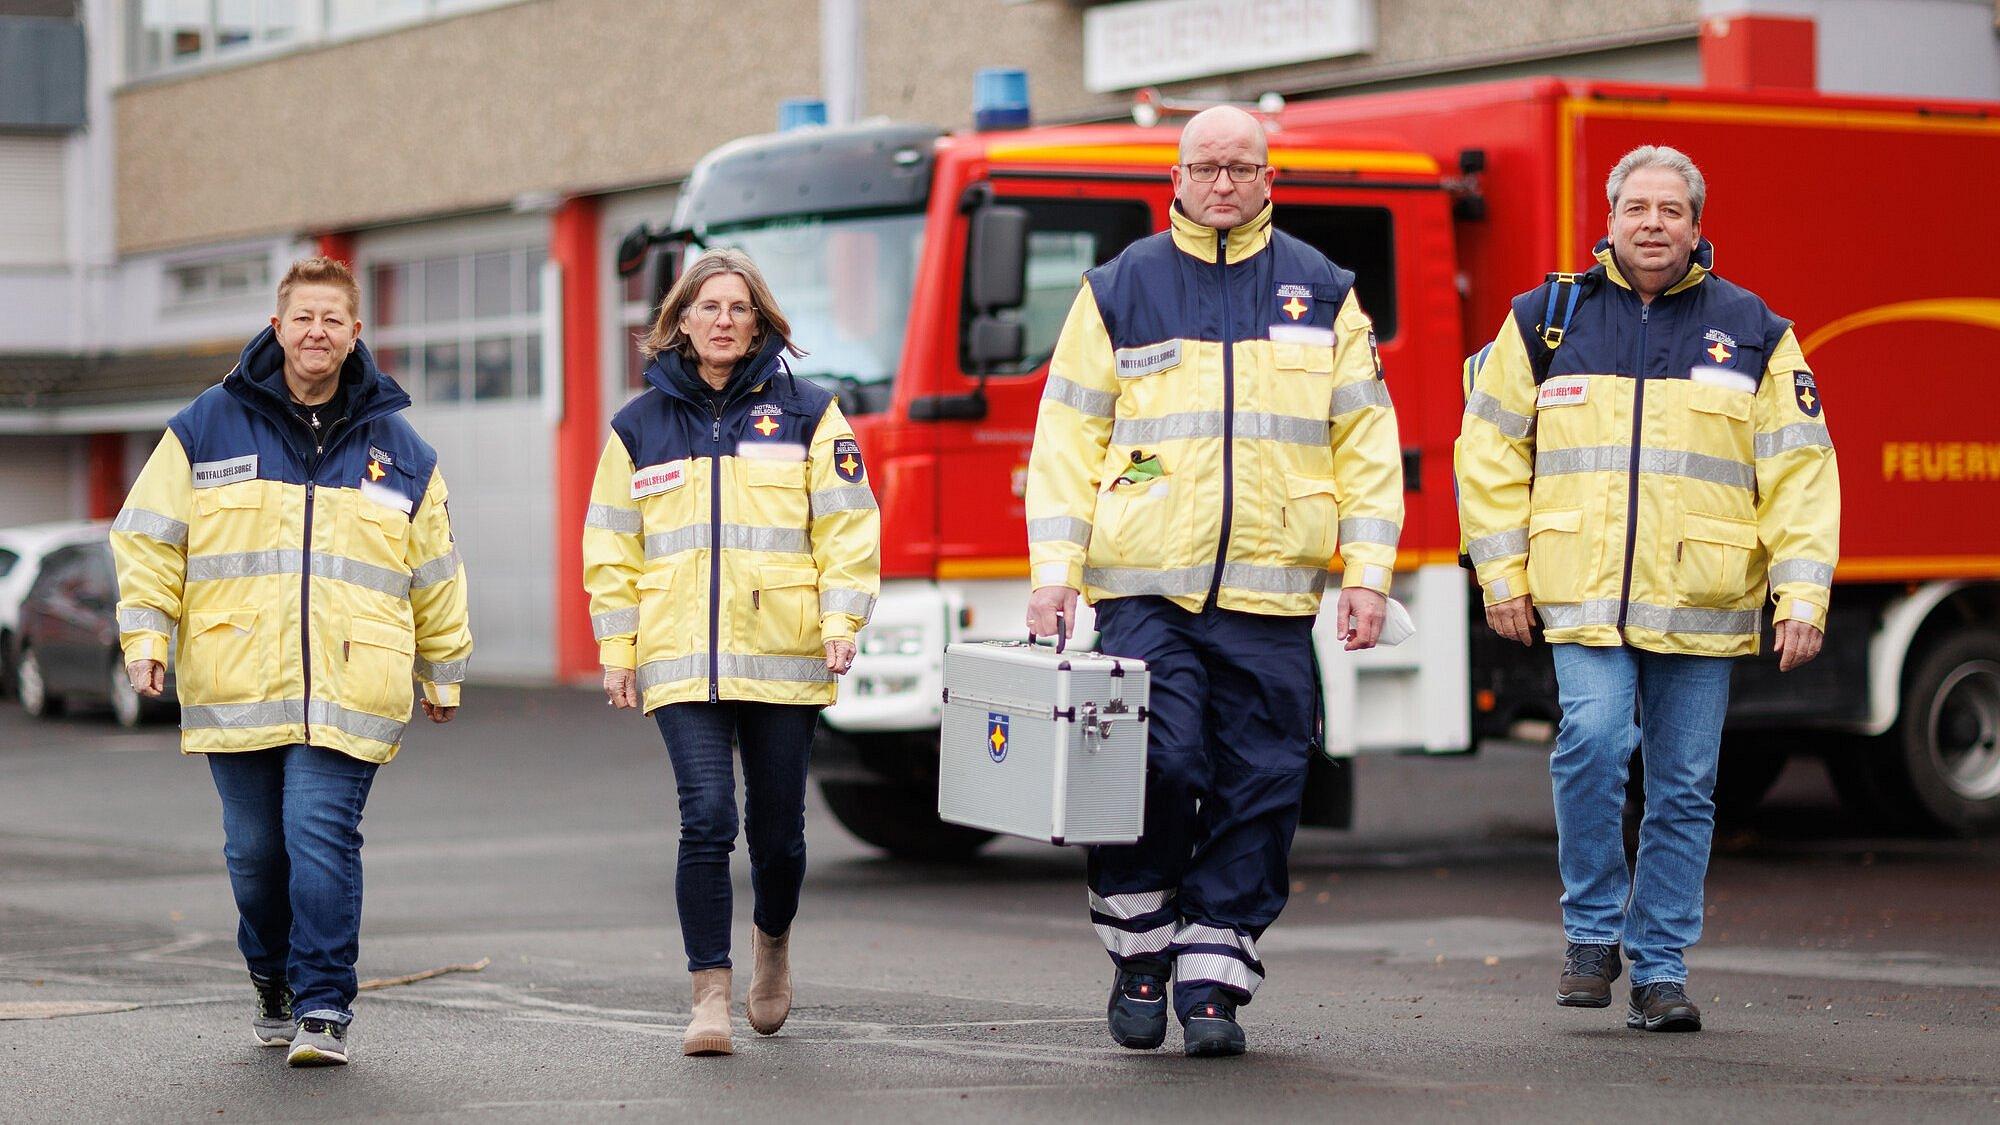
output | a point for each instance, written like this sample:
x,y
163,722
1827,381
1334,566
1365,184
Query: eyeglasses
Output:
x,y
713,310
1240,173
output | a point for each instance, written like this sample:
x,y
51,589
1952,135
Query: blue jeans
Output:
x,y
1226,758
776,742
291,823
1656,908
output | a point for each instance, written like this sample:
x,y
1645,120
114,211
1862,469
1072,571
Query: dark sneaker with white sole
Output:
x,y
1211,1031
319,1043
1137,1015
1588,971
273,1025
1662,1006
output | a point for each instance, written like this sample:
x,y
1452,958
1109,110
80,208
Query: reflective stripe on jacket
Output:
x,y
1673,465
1215,423
307,588
723,550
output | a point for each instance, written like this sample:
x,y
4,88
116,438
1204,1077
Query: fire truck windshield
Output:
x,y
844,282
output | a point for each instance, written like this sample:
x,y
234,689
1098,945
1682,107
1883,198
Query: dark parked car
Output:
x,y
69,640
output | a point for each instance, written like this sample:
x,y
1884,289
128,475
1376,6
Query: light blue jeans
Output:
x,y
1655,908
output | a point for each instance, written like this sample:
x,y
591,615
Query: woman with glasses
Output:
x,y
731,553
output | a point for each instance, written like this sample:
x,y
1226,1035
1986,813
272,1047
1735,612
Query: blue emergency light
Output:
x,y
797,113
1000,98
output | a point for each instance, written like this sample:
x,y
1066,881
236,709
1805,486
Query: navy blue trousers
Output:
x,y
1231,728
775,741
291,823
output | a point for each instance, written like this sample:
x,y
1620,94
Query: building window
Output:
x,y
193,284
459,328
636,310
164,35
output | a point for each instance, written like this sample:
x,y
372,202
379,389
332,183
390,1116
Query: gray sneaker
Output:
x,y
273,1026
319,1043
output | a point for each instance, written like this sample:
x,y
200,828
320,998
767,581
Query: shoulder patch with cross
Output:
x,y
847,460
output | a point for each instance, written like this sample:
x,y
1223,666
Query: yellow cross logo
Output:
x,y
847,465
1807,398
1720,353
765,426
375,470
1295,307
998,738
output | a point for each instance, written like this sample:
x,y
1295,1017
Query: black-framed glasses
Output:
x,y
1239,173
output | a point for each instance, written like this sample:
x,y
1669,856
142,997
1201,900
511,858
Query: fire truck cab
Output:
x,y
928,274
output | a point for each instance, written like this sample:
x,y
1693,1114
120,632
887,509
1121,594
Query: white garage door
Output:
x,y
39,479
497,460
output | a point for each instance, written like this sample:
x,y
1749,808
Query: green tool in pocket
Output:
x,y
1144,467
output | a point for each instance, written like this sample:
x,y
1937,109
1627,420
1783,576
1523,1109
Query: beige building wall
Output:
x,y
576,96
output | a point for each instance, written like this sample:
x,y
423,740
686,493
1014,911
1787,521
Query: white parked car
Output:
x,y
22,550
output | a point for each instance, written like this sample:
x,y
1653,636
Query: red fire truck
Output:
x,y
928,273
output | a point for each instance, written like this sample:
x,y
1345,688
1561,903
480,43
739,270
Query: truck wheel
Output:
x,y
1948,736
900,819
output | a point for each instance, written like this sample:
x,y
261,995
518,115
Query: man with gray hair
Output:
x,y
1644,454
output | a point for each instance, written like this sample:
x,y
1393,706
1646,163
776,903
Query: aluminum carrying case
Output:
x,y
1042,743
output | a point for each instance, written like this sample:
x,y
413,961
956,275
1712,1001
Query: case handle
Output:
x,y
1062,633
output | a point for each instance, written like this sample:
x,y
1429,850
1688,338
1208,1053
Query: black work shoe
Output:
x,y
1662,1006
1211,1031
1588,971
1137,1015
273,1026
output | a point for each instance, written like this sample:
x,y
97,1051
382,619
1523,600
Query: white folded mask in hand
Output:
x,y
1396,625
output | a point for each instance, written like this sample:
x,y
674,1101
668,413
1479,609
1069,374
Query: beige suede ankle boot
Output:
x,y
770,999
708,1027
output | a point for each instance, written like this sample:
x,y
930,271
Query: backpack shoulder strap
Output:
x,y
1560,295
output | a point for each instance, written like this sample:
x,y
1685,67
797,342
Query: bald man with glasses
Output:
x,y
1215,432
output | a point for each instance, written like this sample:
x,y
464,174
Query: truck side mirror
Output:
x,y
997,260
993,342
632,250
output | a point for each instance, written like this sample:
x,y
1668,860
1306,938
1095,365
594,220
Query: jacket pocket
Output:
x,y
228,518
1719,422
1316,359
774,492
1132,524
1560,558
377,667
673,614
784,611
1712,560
376,533
1309,519
225,656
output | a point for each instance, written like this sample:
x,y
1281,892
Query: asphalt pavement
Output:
x,y
1411,979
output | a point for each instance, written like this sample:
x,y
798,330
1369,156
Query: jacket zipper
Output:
x,y
715,556
305,602
1228,417
305,588
1632,473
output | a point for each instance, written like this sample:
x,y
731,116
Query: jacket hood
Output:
x,y
1199,239
258,379
1701,263
676,375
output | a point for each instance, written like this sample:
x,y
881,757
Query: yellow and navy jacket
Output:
x,y
1670,464
307,585
728,539
1215,429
